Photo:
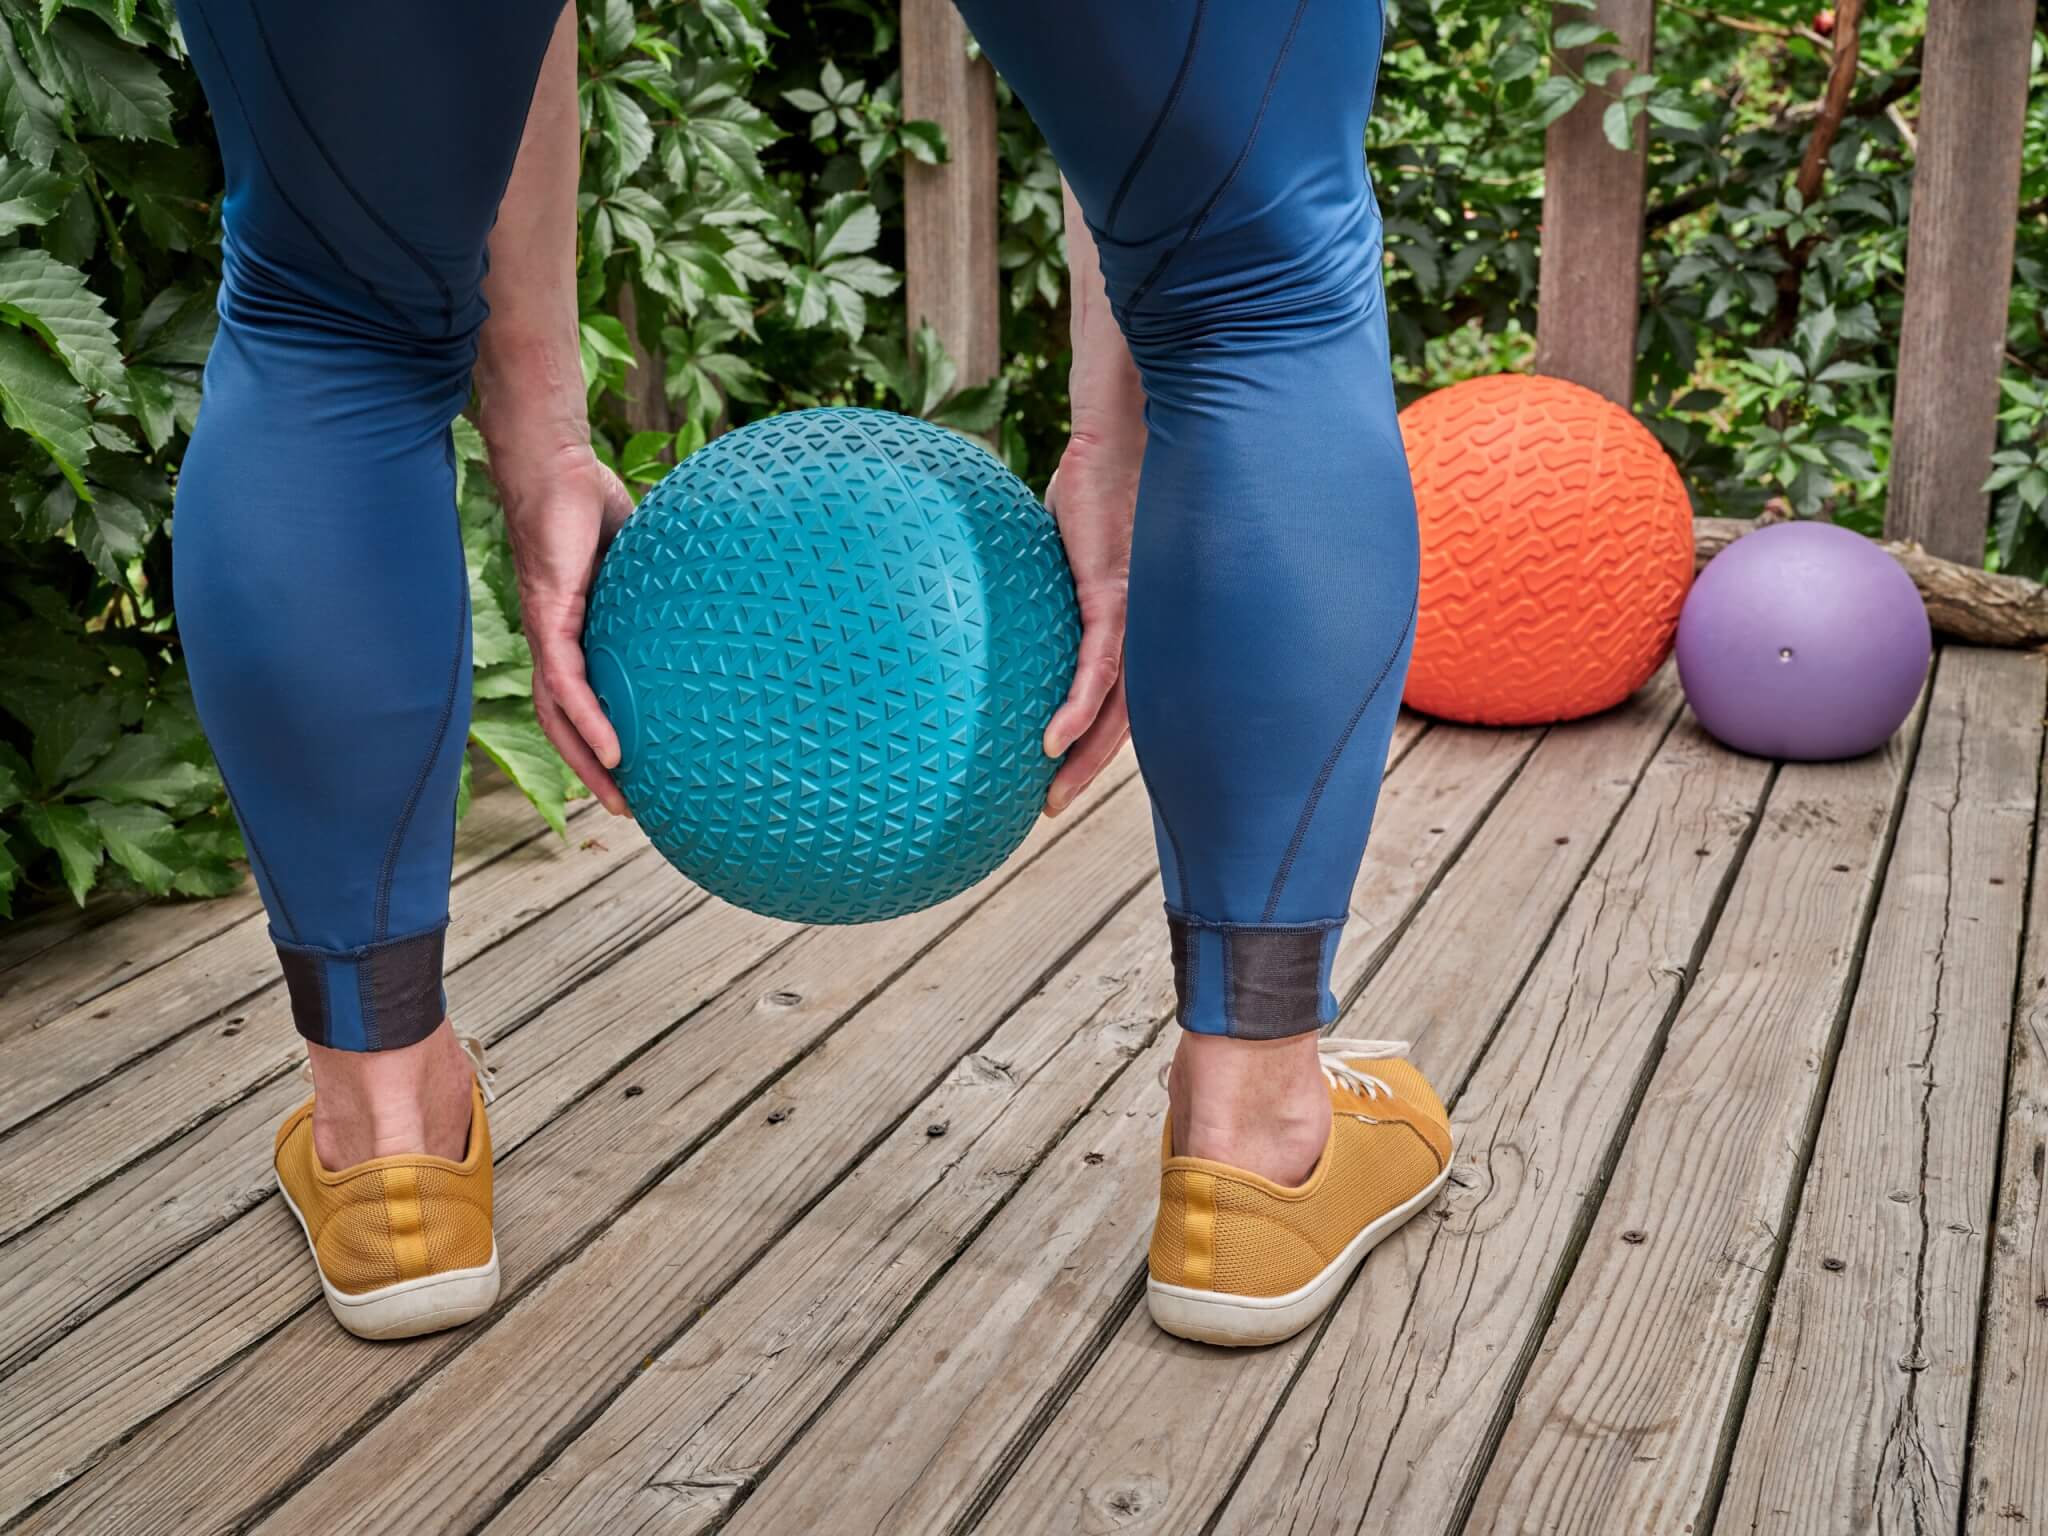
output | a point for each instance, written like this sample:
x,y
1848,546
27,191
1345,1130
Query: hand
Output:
x,y
561,510
1093,497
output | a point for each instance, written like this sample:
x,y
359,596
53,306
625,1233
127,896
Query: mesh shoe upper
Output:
x,y
393,1218
1229,1230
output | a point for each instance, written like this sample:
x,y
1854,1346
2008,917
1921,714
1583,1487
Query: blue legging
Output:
x,y
1217,152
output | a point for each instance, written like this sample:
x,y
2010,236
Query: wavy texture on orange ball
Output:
x,y
1556,551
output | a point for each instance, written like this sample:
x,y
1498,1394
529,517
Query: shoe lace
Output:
x,y
1339,1072
472,1047
1342,1074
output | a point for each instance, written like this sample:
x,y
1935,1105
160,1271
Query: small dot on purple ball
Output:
x,y
1803,640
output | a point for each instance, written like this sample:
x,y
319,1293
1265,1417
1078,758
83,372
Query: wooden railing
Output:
x,y
1958,264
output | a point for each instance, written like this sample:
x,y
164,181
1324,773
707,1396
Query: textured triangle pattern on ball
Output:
x,y
844,632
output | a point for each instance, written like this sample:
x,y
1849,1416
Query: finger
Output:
x,y
1091,754
1097,673
575,751
558,661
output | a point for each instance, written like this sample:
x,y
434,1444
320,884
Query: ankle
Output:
x,y
369,1104
1259,1105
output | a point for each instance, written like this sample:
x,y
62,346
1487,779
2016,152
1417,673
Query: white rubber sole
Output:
x,y
1211,1317
408,1308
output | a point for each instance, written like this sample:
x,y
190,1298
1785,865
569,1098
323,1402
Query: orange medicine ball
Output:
x,y
1556,551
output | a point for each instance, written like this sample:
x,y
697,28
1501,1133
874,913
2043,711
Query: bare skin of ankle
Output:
x,y
391,1103
1259,1105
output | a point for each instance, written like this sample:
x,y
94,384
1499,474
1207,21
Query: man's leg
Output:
x,y
1217,152
321,591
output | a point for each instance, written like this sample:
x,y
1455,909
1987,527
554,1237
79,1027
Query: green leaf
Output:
x,y
207,877
143,768
1619,125
38,397
1677,117
462,790
1580,34
53,300
1517,61
10,875
71,733
28,196
1555,97
626,131
116,88
69,833
512,738
142,840
847,225
493,641
926,141
611,26
31,119
14,780
177,328
110,532
154,402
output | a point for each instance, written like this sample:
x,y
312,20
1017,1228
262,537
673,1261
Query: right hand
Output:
x,y
562,508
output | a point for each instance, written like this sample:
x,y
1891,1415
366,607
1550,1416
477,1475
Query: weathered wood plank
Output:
x,y
1391,1419
251,1282
722,1401
705,1027
1639,909
1617,1426
111,942
1857,1413
91,1036
70,1266
2008,1454
949,211
1592,257
36,929
49,1160
935,1425
565,1350
1966,192
129,934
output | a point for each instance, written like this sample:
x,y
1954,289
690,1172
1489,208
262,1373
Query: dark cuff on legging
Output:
x,y
376,998
1253,981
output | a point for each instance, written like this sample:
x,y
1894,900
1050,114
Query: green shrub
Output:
x,y
741,231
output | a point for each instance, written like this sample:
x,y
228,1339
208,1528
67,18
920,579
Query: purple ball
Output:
x,y
1803,640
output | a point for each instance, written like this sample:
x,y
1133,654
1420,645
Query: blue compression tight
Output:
x,y
1216,151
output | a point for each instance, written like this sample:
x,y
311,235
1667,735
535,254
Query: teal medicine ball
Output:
x,y
830,642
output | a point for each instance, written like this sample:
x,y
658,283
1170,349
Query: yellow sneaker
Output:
x,y
1238,1259
403,1244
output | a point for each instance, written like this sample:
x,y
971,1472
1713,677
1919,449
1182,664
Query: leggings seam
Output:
x,y
389,872
1315,794
292,101
1202,218
284,196
1180,80
256,854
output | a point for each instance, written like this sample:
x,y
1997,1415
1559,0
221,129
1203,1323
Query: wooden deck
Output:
x,y
843,1230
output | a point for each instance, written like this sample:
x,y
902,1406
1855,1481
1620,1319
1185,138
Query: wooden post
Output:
x,y
949,211
1593,227
1973,102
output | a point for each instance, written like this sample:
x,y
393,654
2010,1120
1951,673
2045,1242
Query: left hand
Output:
x,y
1093,497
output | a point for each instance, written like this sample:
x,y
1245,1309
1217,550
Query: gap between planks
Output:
x,y
910,1443
1859,1404
762,1024
1618,1421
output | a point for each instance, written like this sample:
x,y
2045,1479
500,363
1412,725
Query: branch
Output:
x,y
1974,606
